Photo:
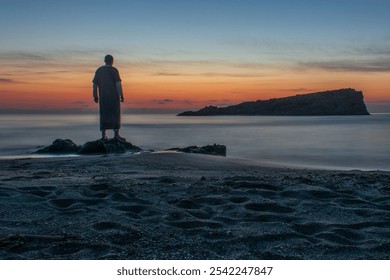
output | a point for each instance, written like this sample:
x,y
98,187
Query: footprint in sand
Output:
x,y
310,228
187,204
211,200
68,205
173,216
239,199
40,193
105,226
200,214
268,207
131,208
74,248
192,224
137,211
62,203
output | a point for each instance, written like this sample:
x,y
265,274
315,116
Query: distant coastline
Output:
x,y
327,103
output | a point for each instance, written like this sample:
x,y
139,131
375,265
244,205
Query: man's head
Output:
x,y
109,59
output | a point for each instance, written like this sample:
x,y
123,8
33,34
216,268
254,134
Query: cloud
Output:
x,y
82,104
17,61
210,74
251,65
10,81
162,102
374,65
68,59
378,48
168,101
169,74
298,90
26,56
7,81
47,55
233,75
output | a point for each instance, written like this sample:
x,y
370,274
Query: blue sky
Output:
x,y
203,26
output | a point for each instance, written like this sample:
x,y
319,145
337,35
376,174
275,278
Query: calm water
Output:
x,y
351,142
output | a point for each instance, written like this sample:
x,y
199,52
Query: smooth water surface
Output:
x,y
346,142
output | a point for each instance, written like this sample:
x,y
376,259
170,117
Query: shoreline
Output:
x,y
245,161
184,206
318,142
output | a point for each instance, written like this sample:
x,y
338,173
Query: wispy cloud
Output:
x,y
297,90
233,75
7,81
163,101
44,66
50,54
382,50
357,55
25,56
167,101
210,74
375,65
64,59
169,74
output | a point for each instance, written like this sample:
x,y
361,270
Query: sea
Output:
x,y
326,142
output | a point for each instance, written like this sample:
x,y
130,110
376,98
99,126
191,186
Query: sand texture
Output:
x,y
185,206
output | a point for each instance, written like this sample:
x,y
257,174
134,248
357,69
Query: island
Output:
x,y
346,101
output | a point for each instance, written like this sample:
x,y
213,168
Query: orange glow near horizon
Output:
x,y
189,89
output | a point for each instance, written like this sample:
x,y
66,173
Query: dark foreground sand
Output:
x,y
183,206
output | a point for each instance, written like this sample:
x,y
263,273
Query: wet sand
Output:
x,y
186,206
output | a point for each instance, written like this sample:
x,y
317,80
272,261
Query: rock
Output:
x,y
60,146
215,150
110,146
335,102
115,146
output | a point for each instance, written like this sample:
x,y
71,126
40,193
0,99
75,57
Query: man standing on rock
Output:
x,y
107,91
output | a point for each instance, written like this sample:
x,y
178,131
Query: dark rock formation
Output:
x,y
115,146
110,146
60,146
334,102
215,150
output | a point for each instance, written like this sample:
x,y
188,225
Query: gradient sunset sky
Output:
x,y
185,54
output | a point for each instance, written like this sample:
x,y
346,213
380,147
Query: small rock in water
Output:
x,y
60,146
215,150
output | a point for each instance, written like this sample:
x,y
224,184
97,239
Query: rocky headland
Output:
x,y
334,102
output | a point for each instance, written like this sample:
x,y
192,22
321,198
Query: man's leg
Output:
x,y
104,135
117,136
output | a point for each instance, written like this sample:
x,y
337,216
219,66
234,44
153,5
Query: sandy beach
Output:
x,y
185,206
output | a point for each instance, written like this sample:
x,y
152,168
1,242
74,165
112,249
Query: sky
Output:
x,y
176,55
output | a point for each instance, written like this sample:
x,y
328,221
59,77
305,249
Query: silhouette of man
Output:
x,y
107,91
